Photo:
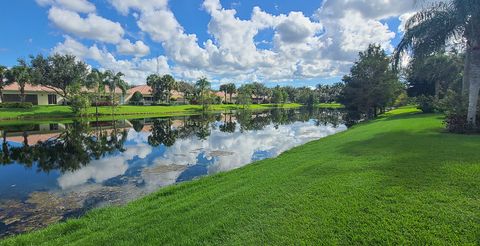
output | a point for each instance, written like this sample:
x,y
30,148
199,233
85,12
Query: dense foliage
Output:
x,y
24,105
431,29
372,84
58,72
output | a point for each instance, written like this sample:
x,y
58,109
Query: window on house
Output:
x,y
52,99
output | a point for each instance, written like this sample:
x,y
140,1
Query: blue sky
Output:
x,y
302,42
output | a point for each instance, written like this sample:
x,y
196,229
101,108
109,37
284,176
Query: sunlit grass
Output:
x,y
397,180
65,112
330,105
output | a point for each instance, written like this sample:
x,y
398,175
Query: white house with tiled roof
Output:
x,y
37,95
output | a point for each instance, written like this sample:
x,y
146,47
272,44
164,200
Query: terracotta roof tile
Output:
x,y
28,88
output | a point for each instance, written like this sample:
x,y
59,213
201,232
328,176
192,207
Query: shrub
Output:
x,y
16,105
137,97
426,103
217,100
102,104
457,123
79,104
402,100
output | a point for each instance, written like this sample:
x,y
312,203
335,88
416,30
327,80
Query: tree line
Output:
x,y
68,77
84,141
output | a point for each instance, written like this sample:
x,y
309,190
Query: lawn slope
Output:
x,y
396,180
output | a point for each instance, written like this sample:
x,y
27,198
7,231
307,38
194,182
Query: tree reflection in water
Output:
x,y
74,147
80,142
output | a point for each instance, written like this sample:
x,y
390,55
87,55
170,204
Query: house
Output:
x,y
147,94
41,95
37,95
222,95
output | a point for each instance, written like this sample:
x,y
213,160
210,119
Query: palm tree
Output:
x,y
20,74
96,81
3,80
224,89
167,83
153,82
203,89
115,81
429,30
231,88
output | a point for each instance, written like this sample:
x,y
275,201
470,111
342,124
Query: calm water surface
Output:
x,y
50,172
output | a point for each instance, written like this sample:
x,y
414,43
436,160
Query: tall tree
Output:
x,y
96,81
187,89
430,29
153,82
162,86
21,74
4,81
433,75
231,89
292,93
245,95
259,90
372,84
203,91
167,84
224,89
279,95
58,72
114,81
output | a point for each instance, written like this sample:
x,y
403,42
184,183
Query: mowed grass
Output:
x,y
57,111
330,105
396,180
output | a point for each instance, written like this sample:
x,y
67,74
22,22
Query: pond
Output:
x,y
51,172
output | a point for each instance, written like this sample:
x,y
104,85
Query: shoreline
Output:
x,y
359,186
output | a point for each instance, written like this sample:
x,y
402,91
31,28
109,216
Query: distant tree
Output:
x,y
372,84
430,29
167,84
259,90
224,89
137,97
58,72
96,81
188,89
329,93
244,96
202,88
21,74
291,92
231,89
279,95
4,81
162,87
79,100
306,96
153,80
433,75
114,81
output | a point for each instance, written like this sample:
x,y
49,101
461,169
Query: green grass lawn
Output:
x,y
39,112
396,180
330,105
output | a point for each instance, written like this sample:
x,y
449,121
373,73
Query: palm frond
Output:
x,y
429,30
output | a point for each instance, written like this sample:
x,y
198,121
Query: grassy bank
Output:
x,y
42,112
397,180
330,105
